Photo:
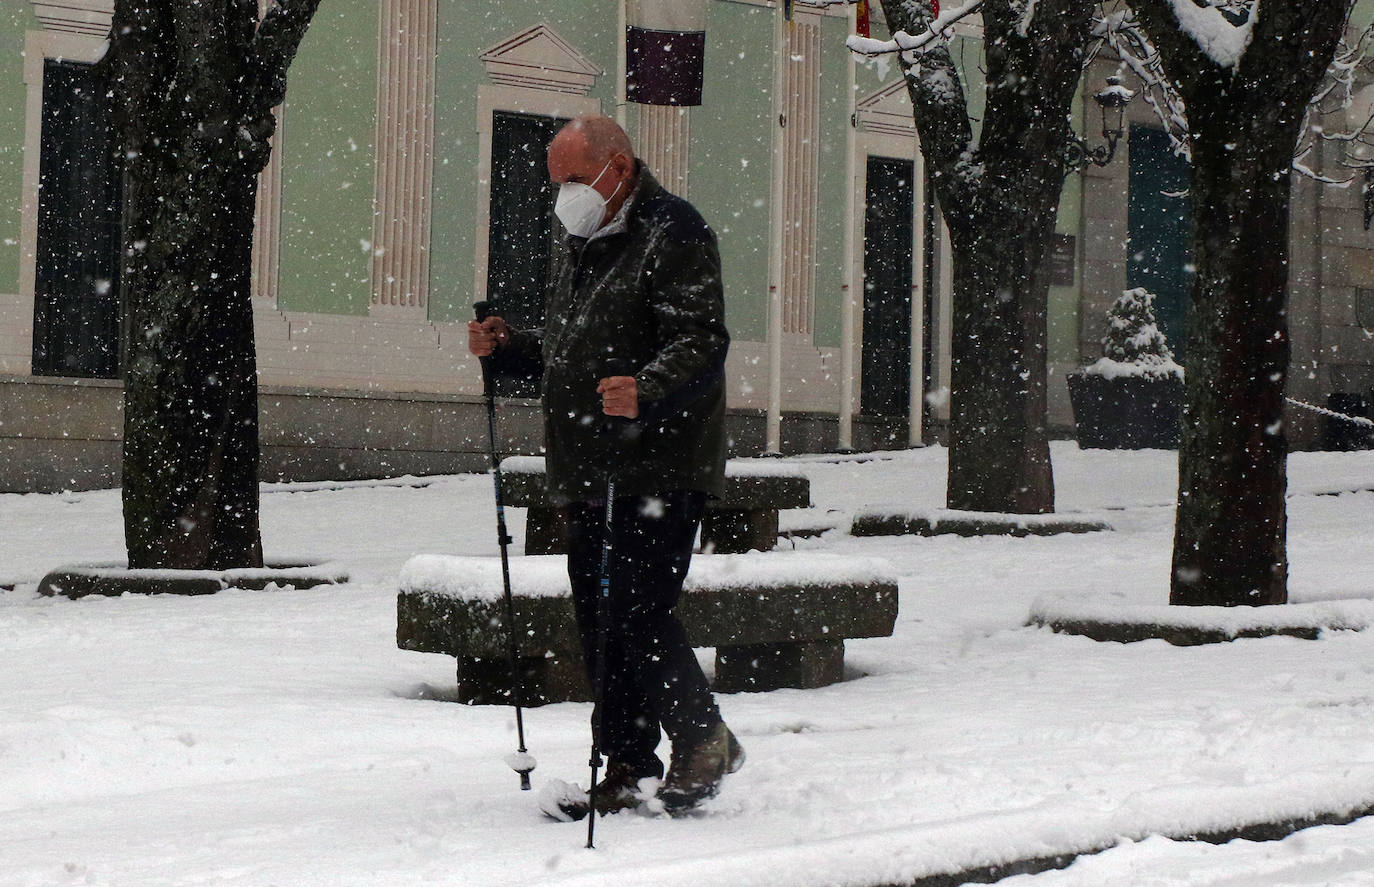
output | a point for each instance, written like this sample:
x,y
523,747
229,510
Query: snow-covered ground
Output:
x,y
280,738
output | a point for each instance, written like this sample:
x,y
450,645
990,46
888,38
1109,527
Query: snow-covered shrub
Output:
x,y
1134,345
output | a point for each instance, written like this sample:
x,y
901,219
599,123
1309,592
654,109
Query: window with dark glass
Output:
x,y
885,371
523,229
1159,257
76,293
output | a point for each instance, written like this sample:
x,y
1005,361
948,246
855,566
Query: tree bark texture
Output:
x,y
1231,526
195,84
999,197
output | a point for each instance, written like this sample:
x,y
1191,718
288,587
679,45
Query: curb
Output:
x,y
1178,635
878,523
112,581
1190,626
1256,831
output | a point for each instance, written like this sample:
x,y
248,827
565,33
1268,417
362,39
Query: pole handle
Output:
x,y
482,310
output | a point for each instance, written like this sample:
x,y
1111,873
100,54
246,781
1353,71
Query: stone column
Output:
x,y
405,158
665,44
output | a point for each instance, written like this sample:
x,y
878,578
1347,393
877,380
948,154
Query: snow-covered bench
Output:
x,y
745,518
776,620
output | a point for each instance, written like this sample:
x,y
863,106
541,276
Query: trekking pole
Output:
x,y
521,761
614,367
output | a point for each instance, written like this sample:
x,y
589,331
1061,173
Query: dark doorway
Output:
x,y
885,388
523,229
76,312
1159,211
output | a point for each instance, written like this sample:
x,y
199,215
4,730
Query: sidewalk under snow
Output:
x,y
280,738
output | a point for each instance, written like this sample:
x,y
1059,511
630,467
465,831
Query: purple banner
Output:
x,y
664,67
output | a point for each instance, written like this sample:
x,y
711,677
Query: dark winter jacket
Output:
x,y
646,301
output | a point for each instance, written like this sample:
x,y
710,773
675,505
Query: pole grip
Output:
x,y
625,432
618,366
482,310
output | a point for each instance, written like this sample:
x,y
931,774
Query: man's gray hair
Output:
x,y
604,136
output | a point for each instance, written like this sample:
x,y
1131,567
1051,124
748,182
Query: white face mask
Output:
x,y
580,207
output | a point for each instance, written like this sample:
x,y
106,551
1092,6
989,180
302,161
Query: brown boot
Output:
x,y
618,790
695,773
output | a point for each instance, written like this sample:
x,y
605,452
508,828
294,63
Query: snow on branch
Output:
x,y
1221,28
1338,95
938,30
1121,32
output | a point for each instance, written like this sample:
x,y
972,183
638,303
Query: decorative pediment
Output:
x,y
88,17
538,58
888,110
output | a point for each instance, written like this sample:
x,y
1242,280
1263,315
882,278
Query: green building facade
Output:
x,y
412,141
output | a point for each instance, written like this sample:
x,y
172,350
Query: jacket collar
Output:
x,y
630,211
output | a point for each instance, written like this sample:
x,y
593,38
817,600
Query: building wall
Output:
x,y
1333,269
460,76
732,152
16,323
305,434
387,123
835,110
329,161
16,17
1331,260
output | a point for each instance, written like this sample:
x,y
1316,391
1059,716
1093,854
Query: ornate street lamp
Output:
x,y
1112,100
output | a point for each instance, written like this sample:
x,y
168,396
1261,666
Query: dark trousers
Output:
x,y
652,676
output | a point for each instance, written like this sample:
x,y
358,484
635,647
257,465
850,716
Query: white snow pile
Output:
x,y
1134,345
1222,41
1116,369
761,468
1344,615
523,464
479,578
903,854
243,739
939,26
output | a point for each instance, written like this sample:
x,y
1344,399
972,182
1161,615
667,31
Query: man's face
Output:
x,y
571,160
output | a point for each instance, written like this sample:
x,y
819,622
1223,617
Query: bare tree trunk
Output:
x,y
191,408
1229,538
999,197
194,87
999,457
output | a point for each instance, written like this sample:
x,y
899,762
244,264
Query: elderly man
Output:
x,y
634,328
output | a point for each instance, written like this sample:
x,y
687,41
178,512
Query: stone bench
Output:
x,y
745,518
776,620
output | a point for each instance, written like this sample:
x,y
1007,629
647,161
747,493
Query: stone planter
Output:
x,y
1127,412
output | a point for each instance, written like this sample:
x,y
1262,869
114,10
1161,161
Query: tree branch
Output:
x,y
1188,62
1121,32
937,30
941,110
1287,32
279,37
